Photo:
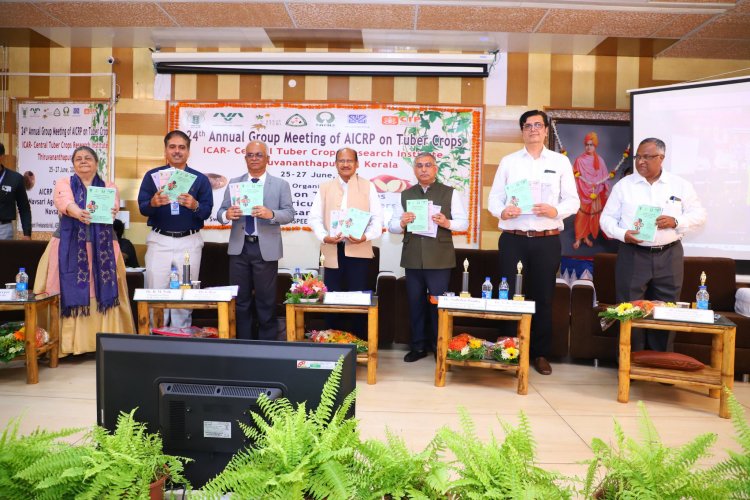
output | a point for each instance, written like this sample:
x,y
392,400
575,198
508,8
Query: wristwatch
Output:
x,y
197,205
676,223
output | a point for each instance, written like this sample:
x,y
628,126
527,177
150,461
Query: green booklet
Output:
x,y
246,195
179,182
421,211
519,194
355,222
645,222
99,202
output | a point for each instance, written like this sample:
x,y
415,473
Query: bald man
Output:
x,y
255,246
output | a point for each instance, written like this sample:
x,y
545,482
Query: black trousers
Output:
x,y
418,283
351,276
540,257
642,274
256,298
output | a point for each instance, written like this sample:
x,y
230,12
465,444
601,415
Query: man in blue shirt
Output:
x,y
175,225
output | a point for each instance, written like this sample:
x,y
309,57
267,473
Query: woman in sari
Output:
x,y
83,263
591,176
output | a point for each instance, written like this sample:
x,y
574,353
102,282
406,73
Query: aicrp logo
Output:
x,y
228,117
325,119
296,120
357,119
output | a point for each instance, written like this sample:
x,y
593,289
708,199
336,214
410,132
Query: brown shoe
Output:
x,y
542,365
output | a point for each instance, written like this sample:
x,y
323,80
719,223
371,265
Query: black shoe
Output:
x,y
413,356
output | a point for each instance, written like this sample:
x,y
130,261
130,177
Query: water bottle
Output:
x,y
297,275
502,292
487,288
174,278
22,284
701,298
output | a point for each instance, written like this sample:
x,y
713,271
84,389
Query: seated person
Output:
x,y
126,247
83,264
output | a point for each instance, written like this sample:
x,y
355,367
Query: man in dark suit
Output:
x,y
255,245
12,195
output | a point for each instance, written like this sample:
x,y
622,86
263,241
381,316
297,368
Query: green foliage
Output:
x,y
390,469
296,453
650,470
494,470
20,453
736,469
119,465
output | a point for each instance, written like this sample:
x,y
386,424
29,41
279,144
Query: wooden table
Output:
x,y
225,310
714,377
445,332
295,327
30,308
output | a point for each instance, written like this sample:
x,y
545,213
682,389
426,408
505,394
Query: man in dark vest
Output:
x,y
427,259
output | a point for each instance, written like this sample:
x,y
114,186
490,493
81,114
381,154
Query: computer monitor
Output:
x,y
194,391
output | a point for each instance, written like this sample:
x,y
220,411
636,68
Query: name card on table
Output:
x,y
511,306
7,294
165,294
684,314
347,298
206,295
469,303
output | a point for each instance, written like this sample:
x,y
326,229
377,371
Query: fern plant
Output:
x,y
296,452
19,453
736,469
499,471
115,465
390,469
650,470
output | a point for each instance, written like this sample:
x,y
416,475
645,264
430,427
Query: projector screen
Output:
x,y
706,128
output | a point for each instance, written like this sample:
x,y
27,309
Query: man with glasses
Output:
x,y
346,258
427,259
651,269
175,225
255,245
532,237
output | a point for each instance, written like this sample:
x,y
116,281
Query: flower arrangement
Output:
x,y
505,350
464,347
337,337
12,337
628,310
308,288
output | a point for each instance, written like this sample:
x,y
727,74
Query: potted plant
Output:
x,y
497,470
736,469
128,463
295,452
650,470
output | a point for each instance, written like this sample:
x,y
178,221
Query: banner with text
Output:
x,y
48,132
302,141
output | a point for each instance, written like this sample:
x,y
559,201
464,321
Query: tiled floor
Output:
x,y
567,409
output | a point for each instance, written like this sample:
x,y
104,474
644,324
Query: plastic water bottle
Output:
x,y
174,278
22,284
487,288
701,298
297,275
502,292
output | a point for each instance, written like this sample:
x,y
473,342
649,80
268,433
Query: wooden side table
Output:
x,y
714,377
30,308
295,327
445,332
225,310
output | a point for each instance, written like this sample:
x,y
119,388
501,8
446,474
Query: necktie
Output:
x,y
249,219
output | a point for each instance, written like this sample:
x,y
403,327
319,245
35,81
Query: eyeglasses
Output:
x,y
533,126
647,157
259,156
346,160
